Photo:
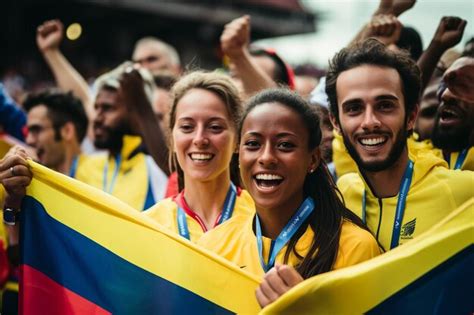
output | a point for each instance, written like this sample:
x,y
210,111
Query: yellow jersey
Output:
x,y
236,241
165,213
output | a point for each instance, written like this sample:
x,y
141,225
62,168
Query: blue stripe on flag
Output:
x,y
447,289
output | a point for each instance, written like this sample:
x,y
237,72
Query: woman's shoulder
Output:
x,y
245,203
163,207
353,233
355,245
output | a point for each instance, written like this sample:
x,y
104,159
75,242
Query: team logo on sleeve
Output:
x,y
408,229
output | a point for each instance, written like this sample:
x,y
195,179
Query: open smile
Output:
x,y
268,182
201,157
449,115
373,142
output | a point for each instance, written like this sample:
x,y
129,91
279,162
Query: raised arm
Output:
x,y
386,7
234,43
394,7
143,119
385,28
48,37
448,34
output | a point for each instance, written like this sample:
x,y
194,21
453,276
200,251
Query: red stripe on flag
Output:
x,y
42,295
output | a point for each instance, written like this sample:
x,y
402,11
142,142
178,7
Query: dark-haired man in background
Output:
x,y
57,124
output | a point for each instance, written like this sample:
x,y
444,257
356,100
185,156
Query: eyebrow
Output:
x,y
207,120
377,98
280,135
386,97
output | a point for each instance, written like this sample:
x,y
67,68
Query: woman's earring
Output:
x,y
311,171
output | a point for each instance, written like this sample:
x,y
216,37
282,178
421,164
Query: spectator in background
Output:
x,y
454,124
57,124
157,56
327,136
162,96
123,112
306,79
430,100
274,66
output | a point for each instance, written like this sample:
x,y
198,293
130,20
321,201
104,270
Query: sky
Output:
x,y
343,18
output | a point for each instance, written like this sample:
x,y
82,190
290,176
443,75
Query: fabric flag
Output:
x,y
84,252
5,145
433,274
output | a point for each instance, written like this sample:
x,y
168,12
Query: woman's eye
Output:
x,y
216,128
286,145
251,144
186,128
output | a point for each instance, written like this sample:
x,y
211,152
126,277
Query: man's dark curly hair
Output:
x,y
62,108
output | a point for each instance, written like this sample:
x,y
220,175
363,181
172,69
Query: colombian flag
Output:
x,y
86,252
433,274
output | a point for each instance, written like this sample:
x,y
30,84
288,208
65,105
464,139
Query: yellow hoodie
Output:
x,y
132,177
434,192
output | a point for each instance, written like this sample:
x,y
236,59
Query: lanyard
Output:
x,y
110,188
73,169
285,235
225,215
402,197
460,160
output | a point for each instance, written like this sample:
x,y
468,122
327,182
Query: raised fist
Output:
x,y
386,28
449,31
49,35
236,37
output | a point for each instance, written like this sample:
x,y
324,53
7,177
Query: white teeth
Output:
x,y
268,177
372,141
201,156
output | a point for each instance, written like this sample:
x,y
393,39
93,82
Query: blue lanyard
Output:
x,y
402,197
285,235
110,188
460,160
183,224
225,215
73,169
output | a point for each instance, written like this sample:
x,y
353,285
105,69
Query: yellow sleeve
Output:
x,y
164,213
355,246
461,185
